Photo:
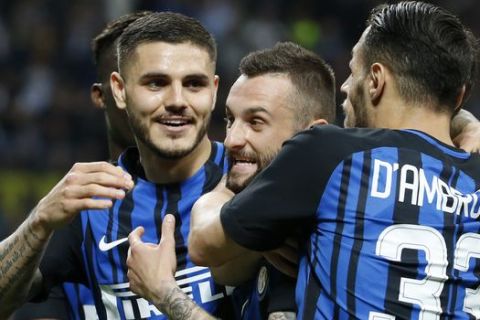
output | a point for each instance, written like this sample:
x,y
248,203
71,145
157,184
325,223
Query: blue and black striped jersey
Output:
x,y
393,218
94,248
80,301
270,291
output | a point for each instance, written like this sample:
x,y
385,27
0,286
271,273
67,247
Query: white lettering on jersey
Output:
x,y
186,279
416,188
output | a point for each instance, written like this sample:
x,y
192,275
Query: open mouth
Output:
x,y
243,161
175,122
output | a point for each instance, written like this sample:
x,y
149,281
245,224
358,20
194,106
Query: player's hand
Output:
x,y
285,258
76,190
469,138
151,267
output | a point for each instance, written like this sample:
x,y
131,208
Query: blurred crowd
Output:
x,y
47,121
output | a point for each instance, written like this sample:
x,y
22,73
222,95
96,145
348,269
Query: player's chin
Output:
x,y
174,148
237,183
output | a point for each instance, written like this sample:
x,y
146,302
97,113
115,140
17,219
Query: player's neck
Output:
x,y
114,150
420,118
161,170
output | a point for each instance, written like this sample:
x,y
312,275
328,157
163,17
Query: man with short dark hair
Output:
x,y
168,88
281,91
392,214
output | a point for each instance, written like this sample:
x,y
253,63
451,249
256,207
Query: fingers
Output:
x,y
99,173
101,166
134,282
93,180
134,239
92,190
135,236
168,229
77,205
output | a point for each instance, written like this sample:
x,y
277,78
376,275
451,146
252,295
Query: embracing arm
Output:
x,y
21,253
238,270
208,244
465,131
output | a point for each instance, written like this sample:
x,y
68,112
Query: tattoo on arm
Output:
x,y
177,306
281,315
19,256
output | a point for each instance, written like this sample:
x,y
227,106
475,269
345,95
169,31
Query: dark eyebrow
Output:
x,y
253,110
159,75
197,76
154,75
248,111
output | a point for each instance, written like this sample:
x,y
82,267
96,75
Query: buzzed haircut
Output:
x,y
310,75
166,27
107,38
427,48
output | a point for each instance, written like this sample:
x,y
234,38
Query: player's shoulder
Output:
x,y
348,140
373,134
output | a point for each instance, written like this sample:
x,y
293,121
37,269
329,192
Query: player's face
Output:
x,y
259,120
355,104
170,92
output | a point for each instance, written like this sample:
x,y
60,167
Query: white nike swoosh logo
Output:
x,y
103,246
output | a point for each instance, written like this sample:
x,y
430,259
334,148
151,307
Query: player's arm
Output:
x,y
208,244
151,270
235,271
238,270
465,131
20,253
19,257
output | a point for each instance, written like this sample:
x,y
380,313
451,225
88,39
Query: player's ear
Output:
x,y
376,82
118,90
96,95
216,80
460,98
317,122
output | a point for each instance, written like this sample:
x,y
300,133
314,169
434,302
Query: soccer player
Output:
x,y
119,137
167,84
280,91
391,214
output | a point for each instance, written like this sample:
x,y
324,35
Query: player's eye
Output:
x,y
195,83
256,123
229,121
155,84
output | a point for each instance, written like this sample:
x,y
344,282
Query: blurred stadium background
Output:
x,y
47,121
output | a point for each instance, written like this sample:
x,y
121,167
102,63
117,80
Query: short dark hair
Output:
x,y
167,27
310,75
429,50
107,38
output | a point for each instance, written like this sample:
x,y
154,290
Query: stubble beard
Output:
x,y
262,160
142,134
359,110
